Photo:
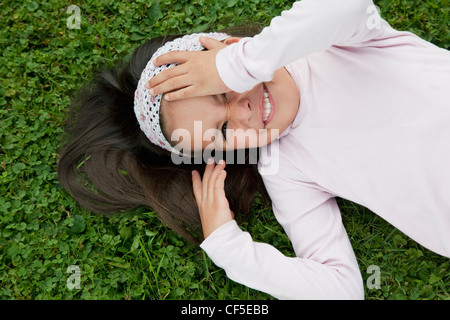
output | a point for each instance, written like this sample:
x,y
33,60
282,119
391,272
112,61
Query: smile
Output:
x,y
267,113
267,106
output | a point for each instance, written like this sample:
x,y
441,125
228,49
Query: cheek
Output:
x,y
182,140
250,138
286,96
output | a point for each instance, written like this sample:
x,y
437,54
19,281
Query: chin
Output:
x,y
267,136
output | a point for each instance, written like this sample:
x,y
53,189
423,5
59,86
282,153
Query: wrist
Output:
x,y
208,229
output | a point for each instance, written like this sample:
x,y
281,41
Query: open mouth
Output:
x,y
267,113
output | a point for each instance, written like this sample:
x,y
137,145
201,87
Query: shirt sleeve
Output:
x,y
309,26
325,266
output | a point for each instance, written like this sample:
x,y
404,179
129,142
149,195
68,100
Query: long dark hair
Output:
x,y
109,166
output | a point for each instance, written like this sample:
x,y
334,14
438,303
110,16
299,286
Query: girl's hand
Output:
x,y
196,75
210,196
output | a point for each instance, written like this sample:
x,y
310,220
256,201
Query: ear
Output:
x,y
231,40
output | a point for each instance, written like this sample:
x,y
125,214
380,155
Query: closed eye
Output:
x,y
224,96
221,99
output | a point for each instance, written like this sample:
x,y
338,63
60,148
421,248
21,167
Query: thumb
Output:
x,y
211,43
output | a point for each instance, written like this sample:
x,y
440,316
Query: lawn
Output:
x,y
43,61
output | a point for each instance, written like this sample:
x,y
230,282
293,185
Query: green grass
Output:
x,y
42,230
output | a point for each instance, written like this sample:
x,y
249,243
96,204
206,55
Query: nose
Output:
x,y
240,110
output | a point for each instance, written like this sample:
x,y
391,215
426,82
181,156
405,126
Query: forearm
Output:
x,y
309,26
263,267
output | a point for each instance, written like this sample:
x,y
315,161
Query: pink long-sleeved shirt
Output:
x,y
373,127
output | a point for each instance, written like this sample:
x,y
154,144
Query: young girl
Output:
x,y
363,111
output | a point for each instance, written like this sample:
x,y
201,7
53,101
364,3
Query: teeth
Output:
x,y
267,106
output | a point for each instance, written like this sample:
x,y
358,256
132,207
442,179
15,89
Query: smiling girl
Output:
x,y
244,120
355,108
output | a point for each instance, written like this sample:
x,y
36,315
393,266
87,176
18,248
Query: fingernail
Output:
x,y
167,97
147,85
221,161
152,92
210,161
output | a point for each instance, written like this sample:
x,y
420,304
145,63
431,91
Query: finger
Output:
x,y
172,84
172,57
219,184
211,43
187,92
206,175
197,186
165,75
216,180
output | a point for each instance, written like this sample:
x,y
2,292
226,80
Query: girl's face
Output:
x,y
233,120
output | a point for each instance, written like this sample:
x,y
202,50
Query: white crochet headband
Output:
x,y
146,106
